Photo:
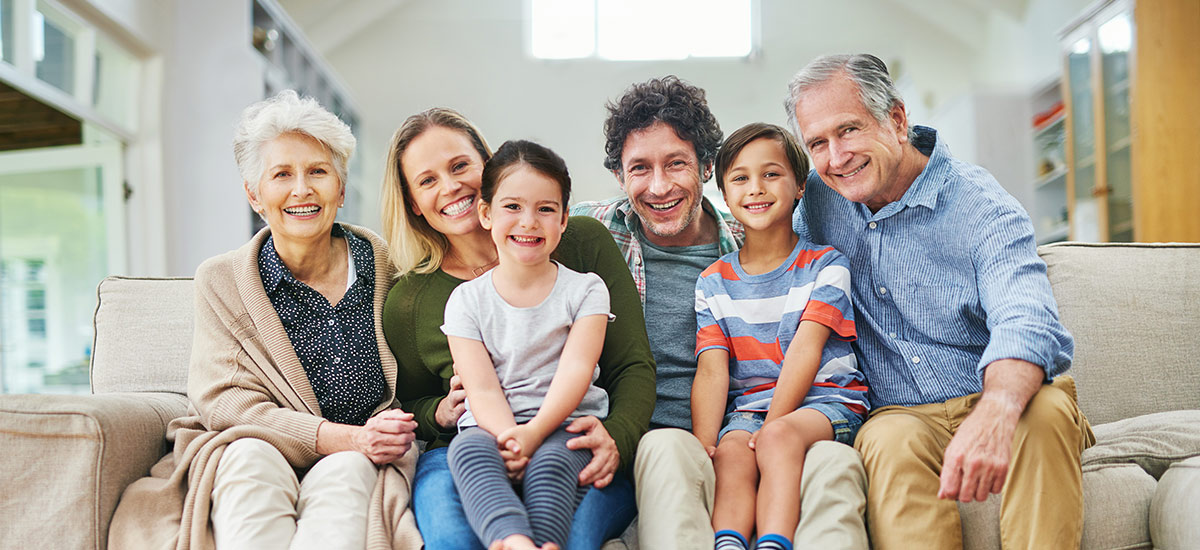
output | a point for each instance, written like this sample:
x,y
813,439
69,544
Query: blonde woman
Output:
x,y
430,196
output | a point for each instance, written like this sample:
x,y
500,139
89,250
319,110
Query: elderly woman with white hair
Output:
x,y
298,440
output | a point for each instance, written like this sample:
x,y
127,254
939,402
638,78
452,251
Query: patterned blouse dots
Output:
x,y
336,344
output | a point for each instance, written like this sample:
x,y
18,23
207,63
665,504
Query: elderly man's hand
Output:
x,y
605,456
976,460
386,436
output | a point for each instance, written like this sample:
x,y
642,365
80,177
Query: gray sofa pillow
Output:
x,y
1153,441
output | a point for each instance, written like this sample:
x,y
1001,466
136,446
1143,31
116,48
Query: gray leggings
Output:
x,y
551,487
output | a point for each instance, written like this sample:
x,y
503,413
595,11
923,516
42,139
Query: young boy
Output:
x,y
773,348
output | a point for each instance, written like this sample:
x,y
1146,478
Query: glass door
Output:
x,y
61,230
1085,210
1114,37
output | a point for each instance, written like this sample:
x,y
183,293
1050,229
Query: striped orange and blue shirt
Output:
x,y
755,317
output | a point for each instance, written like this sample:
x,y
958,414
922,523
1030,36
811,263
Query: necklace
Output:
x,y
477,271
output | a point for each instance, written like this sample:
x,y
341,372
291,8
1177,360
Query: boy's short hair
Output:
x,y
755,130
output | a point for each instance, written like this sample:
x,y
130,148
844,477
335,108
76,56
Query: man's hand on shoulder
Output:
x,y
976,460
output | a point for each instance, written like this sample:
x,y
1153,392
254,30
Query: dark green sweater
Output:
x,y
414,311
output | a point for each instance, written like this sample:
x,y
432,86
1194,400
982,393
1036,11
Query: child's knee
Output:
x,y
733,448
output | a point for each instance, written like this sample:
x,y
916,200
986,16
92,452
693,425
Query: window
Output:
x,y
72,94
633,30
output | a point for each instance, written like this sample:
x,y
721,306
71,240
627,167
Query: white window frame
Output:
x,y
596,54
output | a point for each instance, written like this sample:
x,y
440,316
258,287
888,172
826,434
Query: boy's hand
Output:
x,y
753,439
711,450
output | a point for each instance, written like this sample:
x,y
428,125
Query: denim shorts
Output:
x,y
845,421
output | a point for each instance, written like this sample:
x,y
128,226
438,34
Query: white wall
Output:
x,y
470,55
200,72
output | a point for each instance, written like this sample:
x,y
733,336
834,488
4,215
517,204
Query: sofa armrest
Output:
x,y
68,458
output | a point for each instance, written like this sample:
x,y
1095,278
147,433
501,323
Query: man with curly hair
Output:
x,y
661,140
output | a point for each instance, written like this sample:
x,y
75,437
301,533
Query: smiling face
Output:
x,y
526,216
760,187
854,153
298,192
442,170
661,176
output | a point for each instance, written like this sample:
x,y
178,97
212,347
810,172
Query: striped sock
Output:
x,y
773,542
730,540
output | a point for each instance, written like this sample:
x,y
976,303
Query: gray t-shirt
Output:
x,y
525,343
671,274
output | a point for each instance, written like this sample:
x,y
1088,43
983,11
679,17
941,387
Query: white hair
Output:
x,y
288,113
875,87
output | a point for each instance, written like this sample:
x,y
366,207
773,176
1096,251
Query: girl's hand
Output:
x,y
605,456
386,436
753,438
452,406
520,440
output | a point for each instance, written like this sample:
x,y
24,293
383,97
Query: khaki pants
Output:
x,y
258,502
675,482
1042,506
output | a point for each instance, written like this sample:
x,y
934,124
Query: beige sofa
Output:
x,y
1134,311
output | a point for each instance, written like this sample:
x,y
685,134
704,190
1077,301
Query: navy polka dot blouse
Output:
x,y
336,344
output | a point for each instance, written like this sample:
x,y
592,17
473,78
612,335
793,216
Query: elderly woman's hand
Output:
x,y
386,436
452,406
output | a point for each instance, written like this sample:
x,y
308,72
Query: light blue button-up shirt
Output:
x,y
946,280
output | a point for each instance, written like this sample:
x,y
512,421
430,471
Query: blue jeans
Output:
x,y
604,513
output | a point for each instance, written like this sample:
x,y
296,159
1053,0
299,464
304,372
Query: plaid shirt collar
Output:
x,y
618,215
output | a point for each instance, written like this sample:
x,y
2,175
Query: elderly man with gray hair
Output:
x,y
959,334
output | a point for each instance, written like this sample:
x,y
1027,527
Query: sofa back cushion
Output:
x,y
143,335
1134,310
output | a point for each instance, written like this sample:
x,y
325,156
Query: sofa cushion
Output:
x,y
143,335
1132,310
1176,507
1116,507
1153,442
67,459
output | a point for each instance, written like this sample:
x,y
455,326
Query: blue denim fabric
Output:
x,y
604,514
845,421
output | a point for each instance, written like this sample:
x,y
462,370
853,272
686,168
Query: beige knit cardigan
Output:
x,y
245,380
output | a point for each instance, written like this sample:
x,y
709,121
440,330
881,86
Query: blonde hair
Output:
x,y
413,244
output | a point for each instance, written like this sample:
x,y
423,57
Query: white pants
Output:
x,y
258,502
675,484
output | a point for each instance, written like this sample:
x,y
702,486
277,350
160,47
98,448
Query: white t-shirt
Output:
x,y
526,343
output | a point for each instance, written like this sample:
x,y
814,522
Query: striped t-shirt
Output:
x,y
755,317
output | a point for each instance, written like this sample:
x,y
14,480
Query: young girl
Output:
x,y
774,325
525,338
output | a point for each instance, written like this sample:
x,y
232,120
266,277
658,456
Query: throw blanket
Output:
x,y
246,381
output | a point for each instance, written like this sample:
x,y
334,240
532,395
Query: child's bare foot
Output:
x,y
519,542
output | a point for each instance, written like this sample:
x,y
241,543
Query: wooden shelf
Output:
x,y
1055,176
1120,144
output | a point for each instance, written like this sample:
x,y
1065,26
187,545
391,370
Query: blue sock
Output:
x,y
773,542
730,540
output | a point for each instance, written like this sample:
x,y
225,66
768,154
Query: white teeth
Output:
x,y
758,207
860,169
458,207
665,206
526,240
302,210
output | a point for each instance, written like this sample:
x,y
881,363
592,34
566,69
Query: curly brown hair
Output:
x,y
670,100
